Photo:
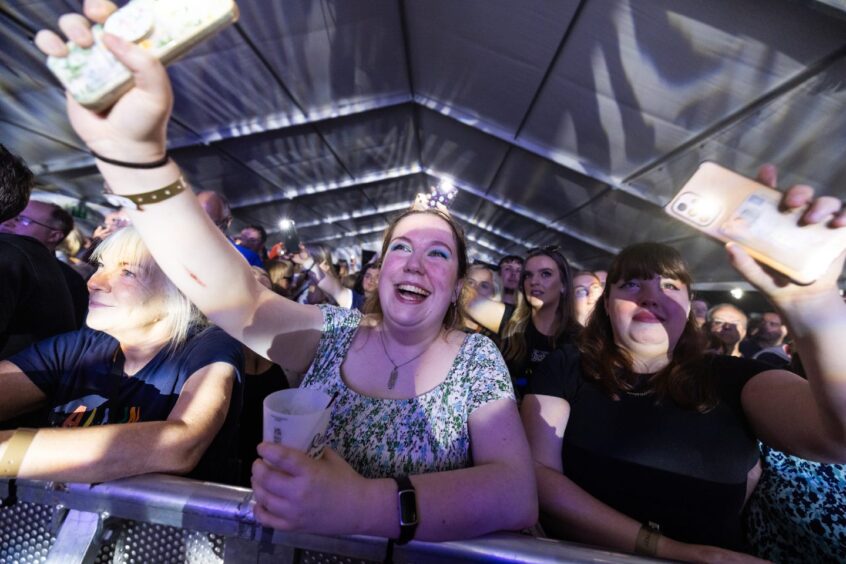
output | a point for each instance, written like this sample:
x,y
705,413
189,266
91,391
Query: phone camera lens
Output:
x,y
681,206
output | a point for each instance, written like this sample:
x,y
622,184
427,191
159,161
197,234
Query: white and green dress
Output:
x,y
392,437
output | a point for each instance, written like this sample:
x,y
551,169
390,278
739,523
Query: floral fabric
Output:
x,y
428,433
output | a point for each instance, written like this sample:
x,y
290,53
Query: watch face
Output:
x,y
408,507
120,201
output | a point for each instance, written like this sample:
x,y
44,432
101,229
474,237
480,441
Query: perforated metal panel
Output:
x,y
140,543
312,557
25,533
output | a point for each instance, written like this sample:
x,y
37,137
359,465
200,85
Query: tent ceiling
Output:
x,y
561,122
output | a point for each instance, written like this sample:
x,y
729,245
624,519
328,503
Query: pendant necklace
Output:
x,y
392,379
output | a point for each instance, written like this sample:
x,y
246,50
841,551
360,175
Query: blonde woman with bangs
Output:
x,y
145,387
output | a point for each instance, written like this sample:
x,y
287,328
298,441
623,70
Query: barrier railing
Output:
x,y
160,518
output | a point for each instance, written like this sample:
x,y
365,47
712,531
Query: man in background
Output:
x,y
510,270
35,301
219,211
49,224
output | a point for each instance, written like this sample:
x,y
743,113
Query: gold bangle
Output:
x,y
646,542
16,448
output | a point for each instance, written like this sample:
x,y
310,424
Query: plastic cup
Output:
x,y
297,418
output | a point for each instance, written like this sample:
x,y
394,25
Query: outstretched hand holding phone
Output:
x,y
135,128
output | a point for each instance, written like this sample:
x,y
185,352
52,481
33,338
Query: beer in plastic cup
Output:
x,y
297,418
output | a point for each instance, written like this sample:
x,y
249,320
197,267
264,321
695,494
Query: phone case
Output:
x,y
731,207
168,28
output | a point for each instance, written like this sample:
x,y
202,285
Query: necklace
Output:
x,y
392,379
639,394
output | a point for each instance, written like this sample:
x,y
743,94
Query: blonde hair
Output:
x,y
182,315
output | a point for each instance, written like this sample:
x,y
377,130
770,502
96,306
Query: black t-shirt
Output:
x,y
538,347
35,302
256,388
76,372
682,469
78,290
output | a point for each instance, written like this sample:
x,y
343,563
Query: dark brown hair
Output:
x,y
16,184
452,319
683,380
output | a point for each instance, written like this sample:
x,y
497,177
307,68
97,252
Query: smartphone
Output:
x,y
292,242
732,207
167,28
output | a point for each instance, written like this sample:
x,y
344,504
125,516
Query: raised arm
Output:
x,y
486,312
193,253
804,418
327,496
575,514
108,452
323,273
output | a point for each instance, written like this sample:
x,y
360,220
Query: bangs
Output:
x,y
125,247
647,260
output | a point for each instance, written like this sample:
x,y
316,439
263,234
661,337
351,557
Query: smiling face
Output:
x,y
542,282
126,298
419,276
648,315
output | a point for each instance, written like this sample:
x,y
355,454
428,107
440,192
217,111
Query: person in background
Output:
x,y
367,281
587,289
483,282
254,237
49,224
112,221
511,273
700,308
262,377
281,273
602,275
219,211
725,329
767,339
35,301
543,319
143,388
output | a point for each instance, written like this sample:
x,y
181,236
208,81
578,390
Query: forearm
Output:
x,y
108,452
818,326
333,287
193,253
579,516
457,504
486,313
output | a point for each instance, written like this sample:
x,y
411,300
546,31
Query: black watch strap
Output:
x,y
407,508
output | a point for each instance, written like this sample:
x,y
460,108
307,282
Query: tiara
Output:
x,y
438,199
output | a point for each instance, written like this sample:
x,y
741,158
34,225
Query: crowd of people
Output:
x,y
612,408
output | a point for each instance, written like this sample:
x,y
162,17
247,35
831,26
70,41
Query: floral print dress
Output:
x,y
392,437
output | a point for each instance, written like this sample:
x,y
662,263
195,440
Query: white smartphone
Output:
x,y
732,207
168,28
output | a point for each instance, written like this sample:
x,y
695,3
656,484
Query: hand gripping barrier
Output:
x,y
160,518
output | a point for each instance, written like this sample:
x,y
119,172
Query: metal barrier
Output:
x,y
159,518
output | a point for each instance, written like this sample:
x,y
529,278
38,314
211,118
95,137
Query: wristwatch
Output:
x,y
407,507
135,201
